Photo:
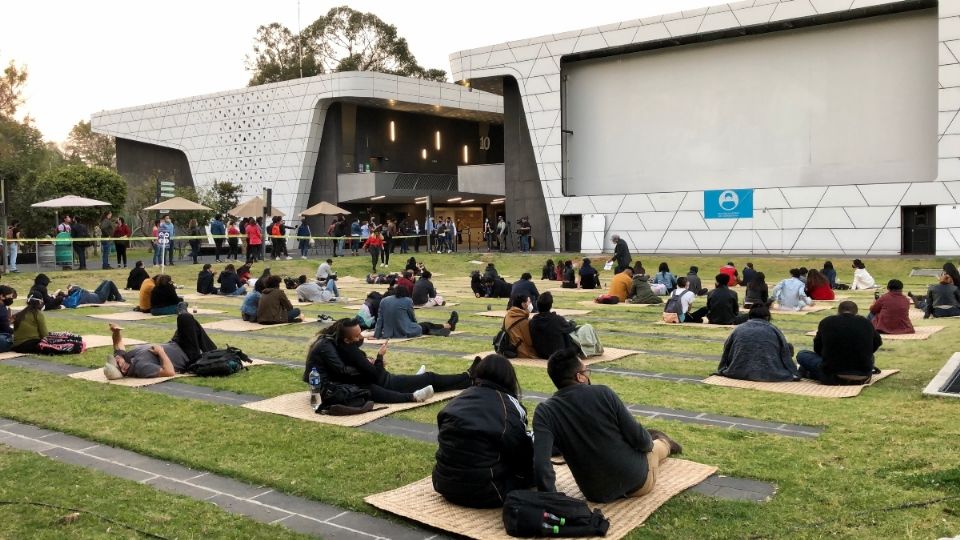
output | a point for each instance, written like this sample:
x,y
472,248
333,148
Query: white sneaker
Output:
x,y
422,370
302,257
423,394
289,257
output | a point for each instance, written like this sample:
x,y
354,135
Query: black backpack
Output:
x,y
536,513
502,344
219,362
289,282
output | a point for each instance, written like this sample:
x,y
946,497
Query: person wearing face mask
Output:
x,y
517,324
186,346
609,453
7,295
338,358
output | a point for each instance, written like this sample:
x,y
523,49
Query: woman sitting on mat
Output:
x,y
485,450
30,328
136,277
517,325
163,298
942,300
757,291
818,286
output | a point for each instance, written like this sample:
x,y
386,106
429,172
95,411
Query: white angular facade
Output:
x,y
268,136
860,219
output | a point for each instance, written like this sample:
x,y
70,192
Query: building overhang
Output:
x,y
482,184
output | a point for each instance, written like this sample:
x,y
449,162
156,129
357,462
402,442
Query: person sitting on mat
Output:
x,y
248,309
367,314
818,286
621,283
569,276
327,277
163,297
609,453
396,319
942,300
496,287
406,281
337,355
757,291
551,332
105,292
7,295
187,345
525,287
485,451
730,269
694,284
39,290
758,351
205,280
640,291
722,305
549,270
230,282
861,278
145,293
842,349
274,307
686,296
890,314
665,278
30,328
517,325
589,277
424,293
311,291
748,274
136,277
791,293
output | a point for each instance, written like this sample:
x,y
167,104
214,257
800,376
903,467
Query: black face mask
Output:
x,y
8,301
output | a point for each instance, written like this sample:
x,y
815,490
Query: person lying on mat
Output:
x,y
105,292
758,351
424,293
136,277
609,453
496,287
791,293
337,355
484,449
517,325
312,291
621,283
274,306
164,299
640,290
551,332
396,319
722,305
890,314
842,349
186,346
942,299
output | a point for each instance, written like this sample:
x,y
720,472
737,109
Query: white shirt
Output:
x,y
862,279
323,271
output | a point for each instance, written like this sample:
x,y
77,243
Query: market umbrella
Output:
x,y
69,201
324,209
253,208
178,203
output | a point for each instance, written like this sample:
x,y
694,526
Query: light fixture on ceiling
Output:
x,y
466,201
455,199
466,154
423,153
378,197
497,202
436,138
424,201
423,198
393,131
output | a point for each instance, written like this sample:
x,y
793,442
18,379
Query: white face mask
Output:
x,y
529,307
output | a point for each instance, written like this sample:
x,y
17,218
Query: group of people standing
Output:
x,y
73,238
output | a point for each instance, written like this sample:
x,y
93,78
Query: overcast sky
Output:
x,y
86,56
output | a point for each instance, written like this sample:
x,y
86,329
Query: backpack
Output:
x,y
219,362
607,299
289,282
72,300
56,343
502,344
537,513
345,395
673,308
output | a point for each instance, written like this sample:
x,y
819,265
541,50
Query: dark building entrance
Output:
x,y
919,226
572,228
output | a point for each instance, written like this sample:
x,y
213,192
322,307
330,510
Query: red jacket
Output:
x,y
254,234
892,314
732,272
373,241
823,292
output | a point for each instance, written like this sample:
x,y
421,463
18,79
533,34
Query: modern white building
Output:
x,y
762,126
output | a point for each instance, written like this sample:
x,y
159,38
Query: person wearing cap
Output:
x,y
890,314
189,342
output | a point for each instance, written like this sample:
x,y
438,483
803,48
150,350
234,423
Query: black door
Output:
x,y
572,228
919,226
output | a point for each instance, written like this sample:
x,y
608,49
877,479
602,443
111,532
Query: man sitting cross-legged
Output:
x,y
609,453
842,350
337,355
189,342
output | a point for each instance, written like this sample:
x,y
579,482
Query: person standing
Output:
x,y
303,239
524,230
416,233
106,231
488,234
167,226
621,254
389,230
454,234
81,241
501,233
121,235
356,232
254,241
155,233
233,241
13,237
218,230
374,244
195,232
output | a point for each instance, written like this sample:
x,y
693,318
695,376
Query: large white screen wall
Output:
x,y
844,103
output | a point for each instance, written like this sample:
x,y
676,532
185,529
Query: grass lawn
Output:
x,y
885,465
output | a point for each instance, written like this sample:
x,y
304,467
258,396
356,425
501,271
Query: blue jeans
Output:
x,y
105,253
332,287
239,292
811,362
304,247
108,292
524,243
293,314
14,249
157,254
6,342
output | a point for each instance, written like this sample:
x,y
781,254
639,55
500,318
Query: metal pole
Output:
x,y
430,218
3,222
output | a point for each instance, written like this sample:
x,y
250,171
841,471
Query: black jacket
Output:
x,y
205,283
229,282
589,278
550,333
621,254
136,277
39,290
524,287
722,306
484,450
423,290
846,343
323,355
163,296
500,289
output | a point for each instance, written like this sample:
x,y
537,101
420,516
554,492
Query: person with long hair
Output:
x,y
665,277
861,278
374,244
121,242
942,299
29,327
818,286
164,299
155,243
233,241
757,291
830,273
485,451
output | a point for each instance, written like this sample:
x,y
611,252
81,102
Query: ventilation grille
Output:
x,y
425,182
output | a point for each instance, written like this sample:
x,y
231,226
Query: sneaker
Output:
x,y
453,320
215,260
422,370
423,394
302,257
658,435
289,257
182,308
472,370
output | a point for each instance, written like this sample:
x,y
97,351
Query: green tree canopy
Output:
x,y
12,82
221,196
342,40
94,149
93,182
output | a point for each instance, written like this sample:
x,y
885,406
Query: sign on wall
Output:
x,y
728,203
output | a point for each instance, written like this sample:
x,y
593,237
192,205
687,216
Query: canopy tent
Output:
x,y
324,209
253,208
69,201
178,203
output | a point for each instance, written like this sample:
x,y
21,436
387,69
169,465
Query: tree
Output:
x,y
342,40
94,149
221,196
92,182
11,89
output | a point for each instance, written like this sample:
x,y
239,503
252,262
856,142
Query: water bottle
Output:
x,y
550,529
551,518
314,379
